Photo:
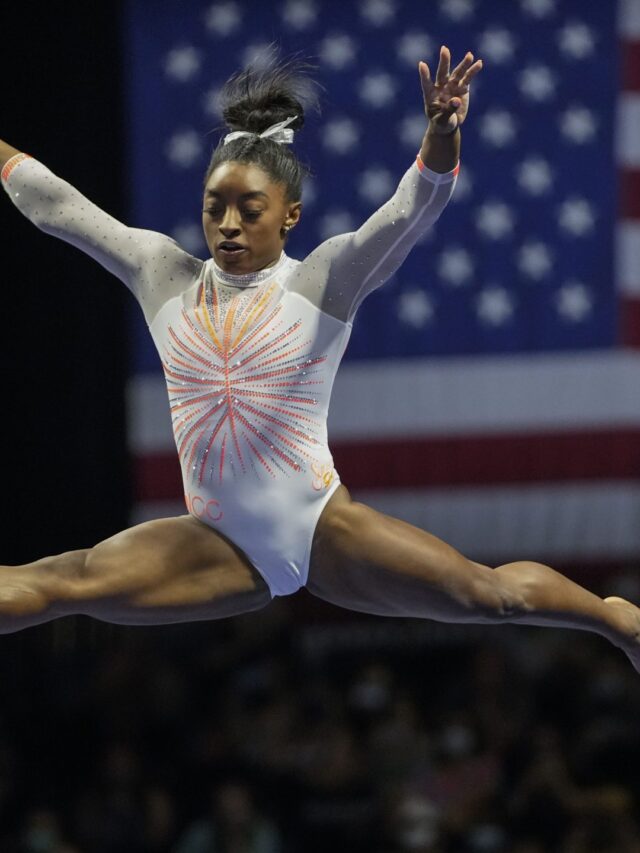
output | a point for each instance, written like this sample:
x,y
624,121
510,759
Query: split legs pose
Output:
x,y
180,570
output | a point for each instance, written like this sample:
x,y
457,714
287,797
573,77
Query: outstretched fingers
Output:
x,y
449,92
470,73
444,66
458,73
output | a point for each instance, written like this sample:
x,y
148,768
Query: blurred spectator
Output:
x,y
42,833
234,826
413,823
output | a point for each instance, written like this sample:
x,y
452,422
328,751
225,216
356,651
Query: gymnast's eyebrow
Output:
x,y
254,194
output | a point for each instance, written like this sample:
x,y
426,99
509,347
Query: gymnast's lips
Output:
x,y
230,247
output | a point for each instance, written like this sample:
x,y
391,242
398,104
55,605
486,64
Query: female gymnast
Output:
x,y
250,341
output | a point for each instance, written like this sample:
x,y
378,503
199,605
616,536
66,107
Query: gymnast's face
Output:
x,y
244,217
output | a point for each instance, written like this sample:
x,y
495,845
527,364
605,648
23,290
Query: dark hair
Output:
x,y
253,100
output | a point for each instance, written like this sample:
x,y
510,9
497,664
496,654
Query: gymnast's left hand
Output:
x,y
446,101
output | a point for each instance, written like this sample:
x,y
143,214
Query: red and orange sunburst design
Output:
x,y
241,383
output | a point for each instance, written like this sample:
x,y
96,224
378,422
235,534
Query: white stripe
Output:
x,y
493,525
485,395
627,135
538,523
629,18
627,257
455,396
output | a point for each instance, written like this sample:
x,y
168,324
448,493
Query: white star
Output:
x,y
415,308
335,222
494,306
537,82
414,46
534,176
455,265
258,55
300,14
576,40
574,301
211,103
535,260
337,51
538,8
377,12
497,45
223,18
377,88
576,216
464,185
494,220
578,124
189,235
184,148
340,135
457,10
498,128
411,129
182,63
376,184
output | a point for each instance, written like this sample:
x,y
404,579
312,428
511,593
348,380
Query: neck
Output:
x,y
248,279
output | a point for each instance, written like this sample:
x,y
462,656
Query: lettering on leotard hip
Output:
x,y
206,510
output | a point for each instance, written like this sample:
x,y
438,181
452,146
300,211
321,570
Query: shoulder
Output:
x,y
154,242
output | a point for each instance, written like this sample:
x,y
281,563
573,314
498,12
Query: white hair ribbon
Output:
x,y
279,133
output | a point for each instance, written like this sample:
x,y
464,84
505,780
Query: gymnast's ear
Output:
x,y
294,212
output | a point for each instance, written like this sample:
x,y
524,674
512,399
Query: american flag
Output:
x,y
491,390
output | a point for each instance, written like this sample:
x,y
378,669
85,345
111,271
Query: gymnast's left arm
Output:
x,y
340,273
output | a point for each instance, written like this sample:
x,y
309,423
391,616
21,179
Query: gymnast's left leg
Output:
x,y
366,561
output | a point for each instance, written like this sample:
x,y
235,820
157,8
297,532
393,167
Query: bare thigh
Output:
x,y
162,571
364,560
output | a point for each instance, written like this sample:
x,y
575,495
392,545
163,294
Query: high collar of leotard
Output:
x,y
250,279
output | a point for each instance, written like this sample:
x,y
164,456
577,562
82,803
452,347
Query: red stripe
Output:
x,y
11,163
629,313
156,477
629,193
454,173
461,461
631,66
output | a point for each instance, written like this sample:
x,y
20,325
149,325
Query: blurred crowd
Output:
x,y
305,728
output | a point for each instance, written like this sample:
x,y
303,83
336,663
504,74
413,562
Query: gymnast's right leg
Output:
x,y
159,572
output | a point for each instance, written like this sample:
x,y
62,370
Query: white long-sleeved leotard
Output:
x,y
249,360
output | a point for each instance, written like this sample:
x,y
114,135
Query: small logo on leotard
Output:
x,y
205,510
324,475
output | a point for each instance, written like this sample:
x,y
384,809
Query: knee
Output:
x,y
71,566
501,599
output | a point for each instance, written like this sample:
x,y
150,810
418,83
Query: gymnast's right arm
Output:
x,y
131,254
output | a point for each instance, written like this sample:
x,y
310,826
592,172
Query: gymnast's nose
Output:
x,y
230,224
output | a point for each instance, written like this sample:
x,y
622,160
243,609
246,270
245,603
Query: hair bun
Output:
x,y
258,97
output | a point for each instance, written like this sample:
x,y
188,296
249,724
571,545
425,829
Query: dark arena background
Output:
x,y
304,727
